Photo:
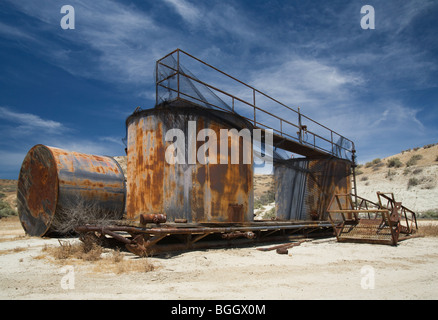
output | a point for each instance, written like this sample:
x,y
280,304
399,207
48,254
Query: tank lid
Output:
x,y
37,191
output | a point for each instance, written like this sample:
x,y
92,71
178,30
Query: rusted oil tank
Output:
x,y
187,190
51,179
304,187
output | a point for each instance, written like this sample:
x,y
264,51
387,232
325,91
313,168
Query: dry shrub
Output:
x,y
78,212
90,250
67,250
429,214
428,230
116,263
413,182
15,250
413,160
119,266
394,163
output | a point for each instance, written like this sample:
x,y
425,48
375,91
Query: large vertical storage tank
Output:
x,y
51,179
186,190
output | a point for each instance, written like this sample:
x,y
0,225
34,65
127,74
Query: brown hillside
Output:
x,y
412,176
8,192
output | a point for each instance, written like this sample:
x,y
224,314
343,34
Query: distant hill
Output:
x,y
411,175
8,197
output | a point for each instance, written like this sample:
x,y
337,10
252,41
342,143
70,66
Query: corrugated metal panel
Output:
x,y
290,182
304,187
51,179
327,177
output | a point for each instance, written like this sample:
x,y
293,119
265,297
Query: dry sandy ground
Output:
x,y
320,269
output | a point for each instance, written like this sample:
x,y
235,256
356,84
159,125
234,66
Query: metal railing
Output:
x,y
302,131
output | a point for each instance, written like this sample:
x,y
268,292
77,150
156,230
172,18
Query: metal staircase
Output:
x,y
382,222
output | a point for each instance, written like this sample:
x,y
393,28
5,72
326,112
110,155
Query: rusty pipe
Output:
x,y
152,218
238,234
116,236
103,231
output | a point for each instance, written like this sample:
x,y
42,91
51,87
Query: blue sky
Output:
x,y
73,89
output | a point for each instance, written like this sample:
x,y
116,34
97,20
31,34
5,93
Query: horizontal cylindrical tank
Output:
x,y
53,179
188,190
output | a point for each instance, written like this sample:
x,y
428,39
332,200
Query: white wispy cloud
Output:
x,y
110,42
88,146
119,43
111,139
185,9
398,16
29,121
300,81
29,129
217,18
13,32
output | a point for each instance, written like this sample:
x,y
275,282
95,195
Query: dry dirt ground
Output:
x,y
319,269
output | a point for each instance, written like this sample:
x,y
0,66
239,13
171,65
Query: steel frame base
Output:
x,y
170,237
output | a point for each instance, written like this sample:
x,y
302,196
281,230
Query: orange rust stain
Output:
x,y
40,193
151,180
229,186
146,167
328,178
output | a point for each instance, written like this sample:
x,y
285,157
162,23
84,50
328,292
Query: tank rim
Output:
x,y
179,107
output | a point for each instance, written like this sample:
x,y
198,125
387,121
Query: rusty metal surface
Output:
x,y
37,191
51,179
327,178
146,241
152,218
408,218
283,246
370,222
304,187
200,193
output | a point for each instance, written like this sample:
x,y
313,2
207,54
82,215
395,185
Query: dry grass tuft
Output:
x,y
116,263
15,250
103,260
78,212
81,251
428,230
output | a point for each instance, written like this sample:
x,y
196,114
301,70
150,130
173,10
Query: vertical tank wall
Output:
x,y
187,189
304,187
52,179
